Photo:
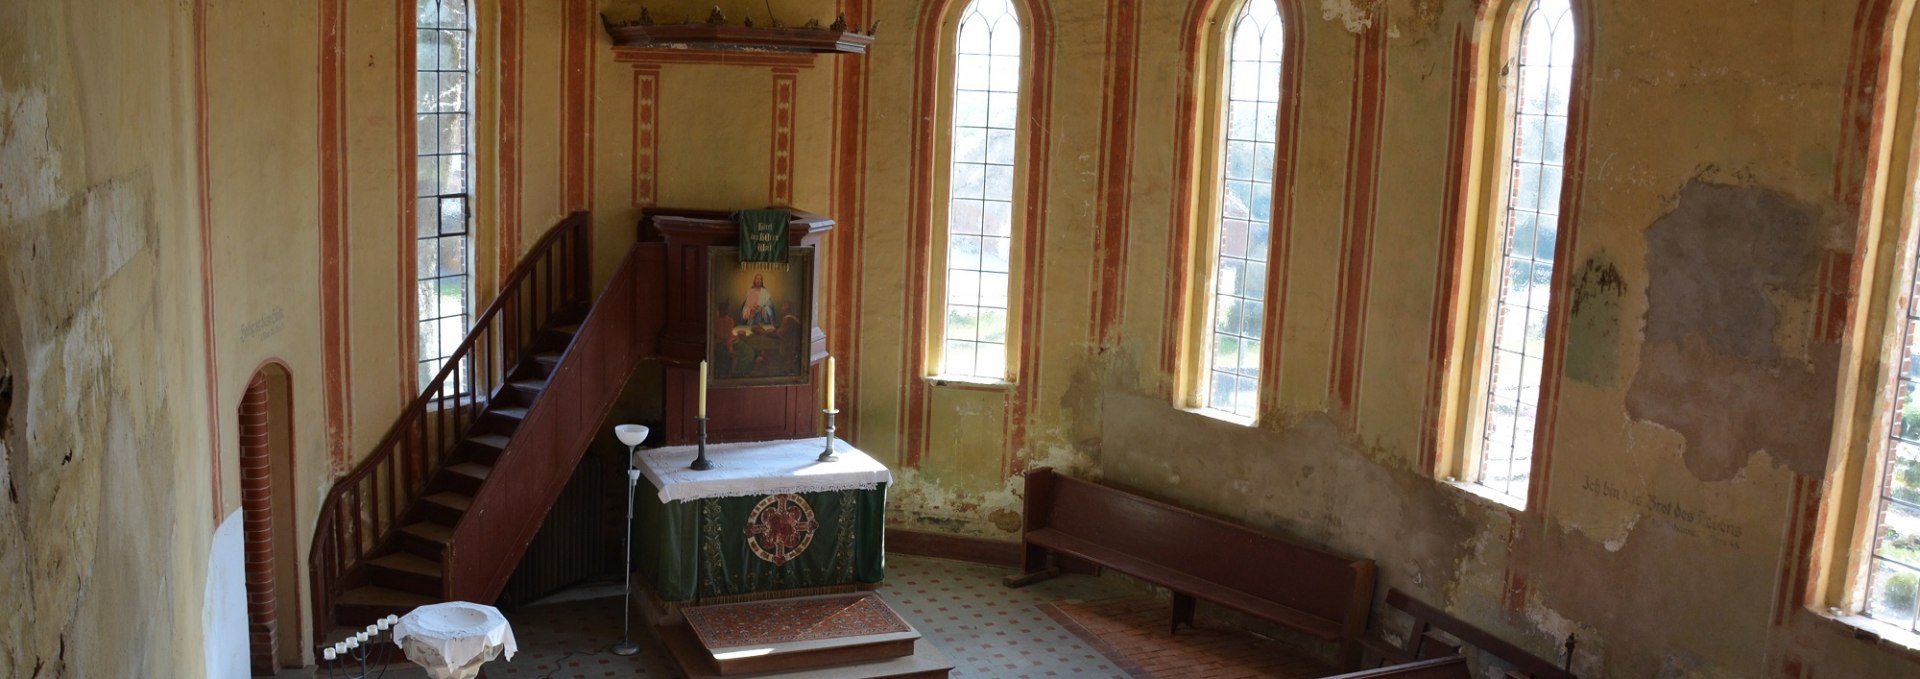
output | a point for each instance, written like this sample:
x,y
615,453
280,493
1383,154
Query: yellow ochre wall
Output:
x,y
136,300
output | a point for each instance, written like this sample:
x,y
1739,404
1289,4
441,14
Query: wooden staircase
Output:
x,y
447,502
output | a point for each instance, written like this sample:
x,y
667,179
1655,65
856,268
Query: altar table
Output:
x,y
768,517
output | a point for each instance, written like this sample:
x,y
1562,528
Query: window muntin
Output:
x,y
1893,562
444,130
986,112
1236,301
1525,241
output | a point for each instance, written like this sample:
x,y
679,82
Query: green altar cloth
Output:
x,y
747,542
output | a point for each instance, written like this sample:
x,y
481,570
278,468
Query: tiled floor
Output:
x,y
985,628
1133,631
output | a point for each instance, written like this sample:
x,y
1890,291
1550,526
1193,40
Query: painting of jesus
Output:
x,y
760,319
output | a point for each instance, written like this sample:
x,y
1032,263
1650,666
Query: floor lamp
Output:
x,y
633,435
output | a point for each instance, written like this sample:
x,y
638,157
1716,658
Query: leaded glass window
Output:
x,y
1250,124
1530,225
443,116
980,222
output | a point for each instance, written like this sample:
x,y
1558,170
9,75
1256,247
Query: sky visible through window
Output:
x,y
1237,303
986,111
1530,228
443,249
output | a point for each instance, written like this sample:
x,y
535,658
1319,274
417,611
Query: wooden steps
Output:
x,y
837,635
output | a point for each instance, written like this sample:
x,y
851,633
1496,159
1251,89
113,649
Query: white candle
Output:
x,y
703,389
351,644
829,383
339,648
327,654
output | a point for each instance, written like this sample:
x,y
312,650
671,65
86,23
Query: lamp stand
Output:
x,y
626,645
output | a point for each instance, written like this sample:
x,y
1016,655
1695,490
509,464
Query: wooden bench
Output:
x,y
1324,595
1437,635
1454,667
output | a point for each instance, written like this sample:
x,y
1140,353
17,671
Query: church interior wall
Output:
x,y
1667,544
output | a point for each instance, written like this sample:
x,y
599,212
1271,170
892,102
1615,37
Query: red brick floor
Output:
x,y
1133,632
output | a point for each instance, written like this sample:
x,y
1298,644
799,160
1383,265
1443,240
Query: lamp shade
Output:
x,y
631,434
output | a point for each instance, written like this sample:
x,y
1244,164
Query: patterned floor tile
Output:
x,y
985,628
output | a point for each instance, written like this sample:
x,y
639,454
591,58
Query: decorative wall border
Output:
x,y
786,90
646,135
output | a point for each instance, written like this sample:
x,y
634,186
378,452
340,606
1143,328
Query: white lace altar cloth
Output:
x,y
448,638
760,468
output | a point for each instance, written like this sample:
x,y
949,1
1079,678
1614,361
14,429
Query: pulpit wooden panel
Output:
x,y
736,414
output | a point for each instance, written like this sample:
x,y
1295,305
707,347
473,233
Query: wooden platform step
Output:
x,y
837,632
926,662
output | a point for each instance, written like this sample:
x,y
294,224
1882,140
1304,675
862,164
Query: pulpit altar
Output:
x,y
768,520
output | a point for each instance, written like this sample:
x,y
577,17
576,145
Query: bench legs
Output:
x,y
1182,612
1035,565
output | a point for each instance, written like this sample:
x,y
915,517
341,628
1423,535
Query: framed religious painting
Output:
x,y
760,319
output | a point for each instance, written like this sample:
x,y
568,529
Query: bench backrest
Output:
x,y
1261,564
1427,618
1437,668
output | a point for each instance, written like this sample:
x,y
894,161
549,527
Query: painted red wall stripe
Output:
x,y
1026,390
512,55
1452,253
1112,212
204,169
406,158
849,200
335,326
1363,179
1180,223
1286,164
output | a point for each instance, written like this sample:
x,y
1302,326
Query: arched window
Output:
x,y
1867,550
1242,217
983,175
1524,229
443,275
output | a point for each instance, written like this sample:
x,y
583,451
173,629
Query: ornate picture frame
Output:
x,y
759,320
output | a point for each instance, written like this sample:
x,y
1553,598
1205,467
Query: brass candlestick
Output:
x,y
701,463
828,455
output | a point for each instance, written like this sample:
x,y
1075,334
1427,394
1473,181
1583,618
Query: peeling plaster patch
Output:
x,y
1593,328
1356,15
29,170
1725,267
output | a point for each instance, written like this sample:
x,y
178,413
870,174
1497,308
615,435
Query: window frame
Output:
x,y
1488,185
945,95
1205,204
472,155
1886,272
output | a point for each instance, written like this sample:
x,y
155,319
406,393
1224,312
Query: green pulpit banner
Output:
x,y
763,238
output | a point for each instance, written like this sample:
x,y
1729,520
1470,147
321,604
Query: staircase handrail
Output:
x,y
563,281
